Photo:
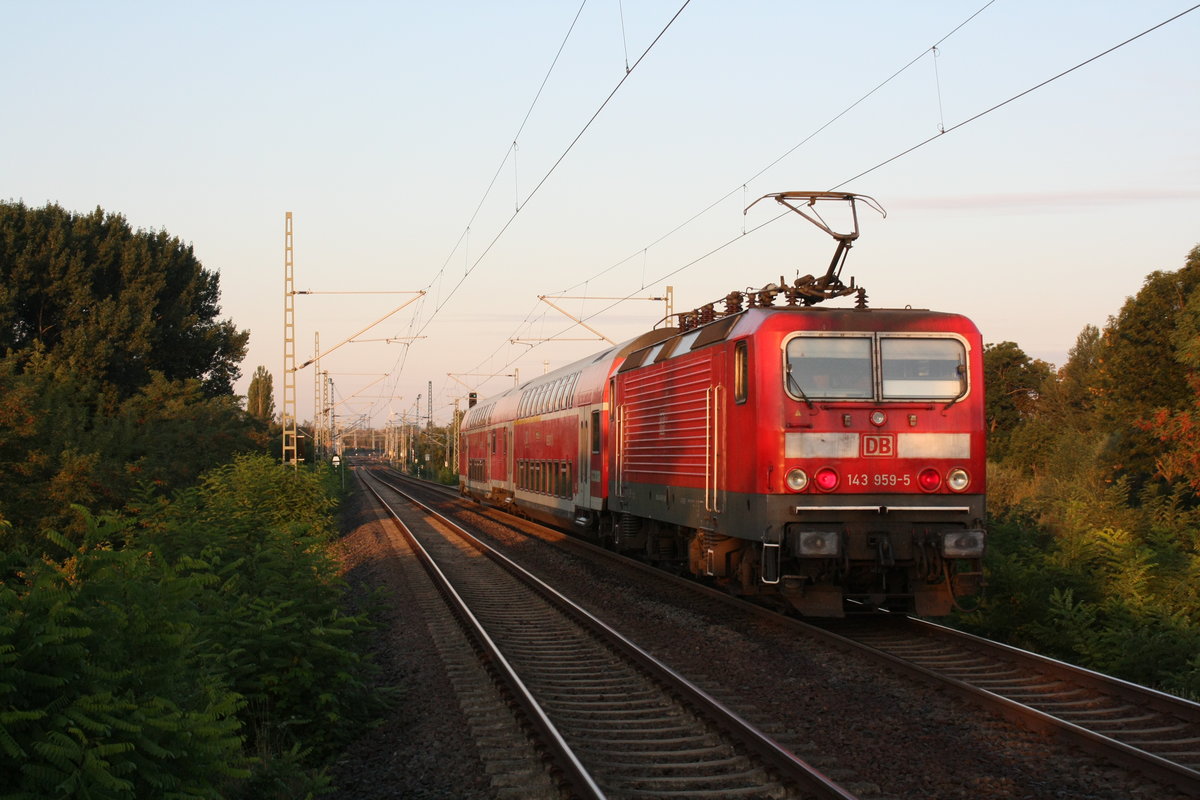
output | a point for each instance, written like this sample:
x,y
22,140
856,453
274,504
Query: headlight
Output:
x,y
797,480
878,418
818,543
957,479
963,544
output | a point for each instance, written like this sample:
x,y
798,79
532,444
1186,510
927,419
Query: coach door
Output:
x,y
588,458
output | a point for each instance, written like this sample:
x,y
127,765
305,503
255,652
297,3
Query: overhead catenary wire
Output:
x,y
443,300
894,158
555,165
464,238
644,250
624,43
742,186
1017,96
511,150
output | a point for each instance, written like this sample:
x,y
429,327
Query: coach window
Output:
x,y
923,368
741,372
595,431
829,367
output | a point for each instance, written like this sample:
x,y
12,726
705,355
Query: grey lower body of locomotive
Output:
x,y
822,554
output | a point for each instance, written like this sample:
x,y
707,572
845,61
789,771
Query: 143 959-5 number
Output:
x,y
883,480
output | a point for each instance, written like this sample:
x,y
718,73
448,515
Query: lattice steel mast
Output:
x,y
290,455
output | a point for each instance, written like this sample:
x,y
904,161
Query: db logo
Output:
x,y
878,445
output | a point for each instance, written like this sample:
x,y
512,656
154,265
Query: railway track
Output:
x,y
1148,731
617,722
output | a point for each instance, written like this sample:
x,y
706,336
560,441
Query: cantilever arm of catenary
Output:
x,y
360,391
577,320
349,338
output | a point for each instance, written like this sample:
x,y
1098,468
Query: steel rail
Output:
x,y
1162,769
790,766
574,771
1151,698
1168,772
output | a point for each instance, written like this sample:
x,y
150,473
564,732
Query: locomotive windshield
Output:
x,y
933,369
843,368
830,367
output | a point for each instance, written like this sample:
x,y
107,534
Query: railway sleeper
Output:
x,y
685,756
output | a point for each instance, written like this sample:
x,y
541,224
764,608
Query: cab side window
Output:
x,y
741,372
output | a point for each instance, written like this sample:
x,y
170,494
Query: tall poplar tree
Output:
x,y
260,397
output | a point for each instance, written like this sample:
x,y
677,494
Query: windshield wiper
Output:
x,y
960,370
793,383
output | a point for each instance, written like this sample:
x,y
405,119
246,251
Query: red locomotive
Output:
x,y
832,458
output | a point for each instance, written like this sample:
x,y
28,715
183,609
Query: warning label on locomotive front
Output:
x,y
878,445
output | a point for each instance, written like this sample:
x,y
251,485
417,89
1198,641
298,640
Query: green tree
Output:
x,y
1014,384
1178,430
57,449
260,397
1063,438
114,368
114,303
1094,552
1079,381
1145,375
274,615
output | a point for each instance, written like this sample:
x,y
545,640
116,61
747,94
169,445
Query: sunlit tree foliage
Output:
x,y
1144,376
114,367
1094,554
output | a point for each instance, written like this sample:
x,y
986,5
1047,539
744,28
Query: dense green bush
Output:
x,y
191,648
1121,600
1094,553
279,630
105,686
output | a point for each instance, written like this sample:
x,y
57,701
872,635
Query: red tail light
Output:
x,y
929,479
826,479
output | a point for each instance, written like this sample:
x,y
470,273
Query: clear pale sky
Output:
x,y
380,125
